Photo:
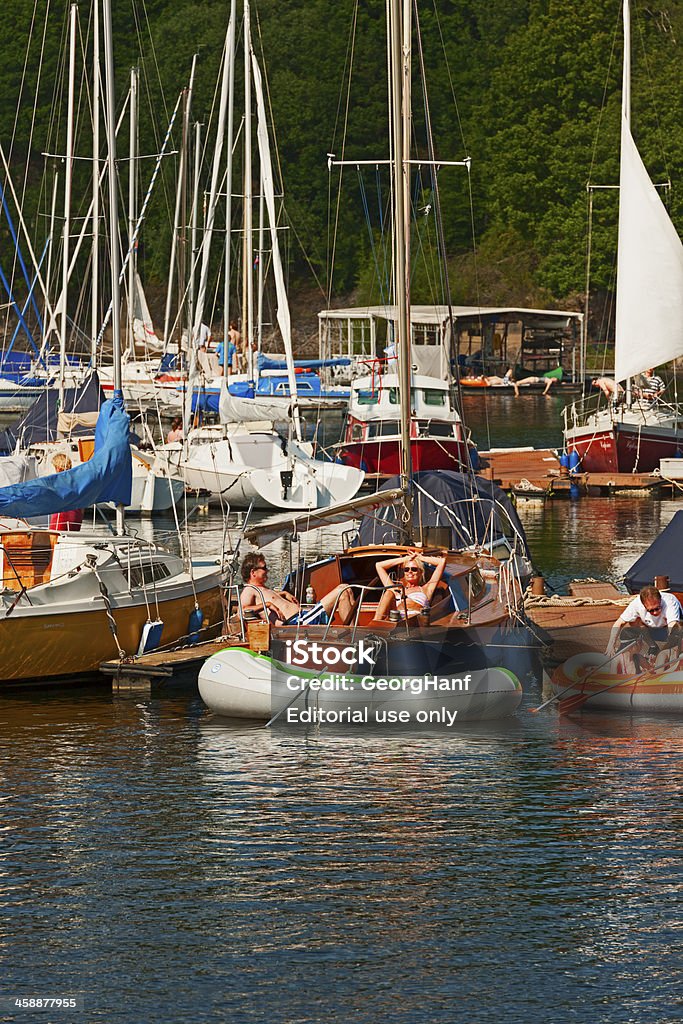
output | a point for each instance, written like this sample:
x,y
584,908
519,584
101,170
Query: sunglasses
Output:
x,y
657,608
409,569
261,568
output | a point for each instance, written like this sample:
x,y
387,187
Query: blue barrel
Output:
x,y
195,624
574,461
564,460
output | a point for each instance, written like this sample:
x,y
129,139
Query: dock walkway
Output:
x,y
536,472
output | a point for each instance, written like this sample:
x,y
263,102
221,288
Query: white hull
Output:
x,y
236,683
248,465
154,488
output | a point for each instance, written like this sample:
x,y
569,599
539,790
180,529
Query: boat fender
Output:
x,y
564,460
363,466
195,624
475,461
151,636
574,461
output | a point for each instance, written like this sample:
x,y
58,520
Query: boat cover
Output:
x,y
663,557
107,476
39,423
267,363
476,510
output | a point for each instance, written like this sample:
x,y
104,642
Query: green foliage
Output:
x,y
529,89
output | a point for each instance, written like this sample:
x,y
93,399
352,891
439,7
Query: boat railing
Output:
x,y
242,617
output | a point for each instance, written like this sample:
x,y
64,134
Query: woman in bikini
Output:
x,y
410,595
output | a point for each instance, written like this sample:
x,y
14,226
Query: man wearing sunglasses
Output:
x,y
652,616
283,608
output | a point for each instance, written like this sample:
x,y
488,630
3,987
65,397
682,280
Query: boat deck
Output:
x,y
580,622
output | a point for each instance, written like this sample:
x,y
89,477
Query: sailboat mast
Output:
x,y
626,71
248,218
95,269
132,205
400,115
73,12
230,57
113,211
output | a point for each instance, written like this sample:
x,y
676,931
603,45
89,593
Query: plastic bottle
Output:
x,y
310,594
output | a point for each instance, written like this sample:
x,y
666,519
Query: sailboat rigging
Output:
x,y
632,435
472,600
70,601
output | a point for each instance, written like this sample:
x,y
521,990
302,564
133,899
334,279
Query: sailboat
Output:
x,y
70,601
634,435
243,460
456,641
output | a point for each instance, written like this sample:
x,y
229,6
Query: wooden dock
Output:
x,y
536,473
580,622
158,669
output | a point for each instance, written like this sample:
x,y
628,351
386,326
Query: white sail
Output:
x,y
649,316
649,319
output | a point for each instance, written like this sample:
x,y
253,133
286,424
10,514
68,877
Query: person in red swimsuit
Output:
x,y
69,522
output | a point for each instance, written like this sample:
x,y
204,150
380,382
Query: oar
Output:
x,y
572,686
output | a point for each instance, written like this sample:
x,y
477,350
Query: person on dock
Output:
x,y
410,595
282,608
653,616
612,390
68,522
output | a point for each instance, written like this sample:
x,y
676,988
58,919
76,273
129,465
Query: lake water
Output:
x,y
165,866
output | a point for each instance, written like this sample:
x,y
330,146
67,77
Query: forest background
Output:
x,y
529,89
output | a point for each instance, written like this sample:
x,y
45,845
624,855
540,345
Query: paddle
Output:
x,y
572,686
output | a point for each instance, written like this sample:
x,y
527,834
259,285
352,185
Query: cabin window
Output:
x,y
386,428
357,432
435,428
394,398
368,397
282,388
476,584
148,573
430,396
303,385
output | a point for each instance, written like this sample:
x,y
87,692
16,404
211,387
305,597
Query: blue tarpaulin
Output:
x,y
107,476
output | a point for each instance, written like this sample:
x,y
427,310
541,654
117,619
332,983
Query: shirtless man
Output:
x,y
283,608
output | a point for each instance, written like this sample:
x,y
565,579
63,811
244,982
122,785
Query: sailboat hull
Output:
x,y
623,447
59,645
383,457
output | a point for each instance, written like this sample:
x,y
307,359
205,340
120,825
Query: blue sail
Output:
x,y
107,476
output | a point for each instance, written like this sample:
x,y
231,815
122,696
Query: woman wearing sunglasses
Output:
x,y
409,595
